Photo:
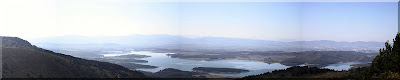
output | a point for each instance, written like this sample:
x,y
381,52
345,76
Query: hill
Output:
x,y
219,70
384,66
185,75
175,73
23,60
202,43
324,58
315,58
294,72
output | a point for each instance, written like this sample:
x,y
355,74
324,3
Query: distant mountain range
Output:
x,y
23,60
180,42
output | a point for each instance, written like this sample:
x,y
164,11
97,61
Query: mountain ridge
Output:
x,y
176,42
23,60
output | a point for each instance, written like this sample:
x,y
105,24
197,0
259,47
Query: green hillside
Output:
x,y
23,60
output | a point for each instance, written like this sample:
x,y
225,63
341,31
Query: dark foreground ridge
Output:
x,y
293,72
386,65
23,60
218,70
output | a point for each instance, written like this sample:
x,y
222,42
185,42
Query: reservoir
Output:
x,y
162,60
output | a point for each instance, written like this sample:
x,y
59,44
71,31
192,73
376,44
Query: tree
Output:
x,y
388,60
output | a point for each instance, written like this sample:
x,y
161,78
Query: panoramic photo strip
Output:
x,y
199,39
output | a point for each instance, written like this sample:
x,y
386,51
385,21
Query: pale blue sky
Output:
x,y
339,21
350,21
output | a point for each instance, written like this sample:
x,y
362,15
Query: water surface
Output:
x,y
162,60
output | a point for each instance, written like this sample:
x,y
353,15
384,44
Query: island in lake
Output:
x,y
218,70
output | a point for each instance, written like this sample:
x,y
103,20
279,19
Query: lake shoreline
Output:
x,y
165,60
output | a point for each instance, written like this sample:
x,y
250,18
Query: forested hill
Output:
x,y
23,60
292,72
385,65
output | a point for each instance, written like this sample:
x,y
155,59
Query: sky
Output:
x,y
275,20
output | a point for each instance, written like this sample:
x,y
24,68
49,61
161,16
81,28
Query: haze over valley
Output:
x,y
198,39
157,52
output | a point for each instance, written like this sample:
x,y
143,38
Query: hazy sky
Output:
x,y
339,21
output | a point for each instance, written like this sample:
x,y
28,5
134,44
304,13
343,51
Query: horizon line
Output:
x,y
191,36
